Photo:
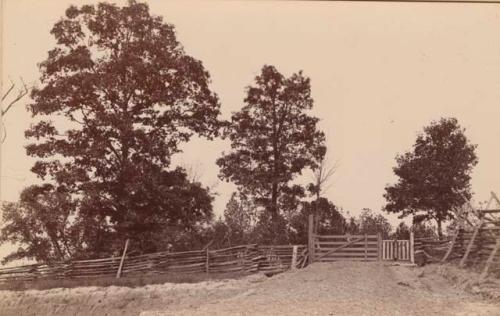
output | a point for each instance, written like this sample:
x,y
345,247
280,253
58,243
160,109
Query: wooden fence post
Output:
x,y
294,258
119,273
310,238
412,247
463,261
207,263
493,253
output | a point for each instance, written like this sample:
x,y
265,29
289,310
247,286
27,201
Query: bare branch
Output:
x,y
20,94
323,174
12,85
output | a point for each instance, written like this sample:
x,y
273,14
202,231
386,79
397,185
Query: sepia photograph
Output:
x,y
250,157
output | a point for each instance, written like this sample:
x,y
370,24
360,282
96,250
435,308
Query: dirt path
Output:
x,y
347,288
342,288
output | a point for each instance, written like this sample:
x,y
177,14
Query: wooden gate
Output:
x,y
325,248
396,250
345,247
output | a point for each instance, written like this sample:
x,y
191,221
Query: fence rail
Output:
x,y
433,250
245,258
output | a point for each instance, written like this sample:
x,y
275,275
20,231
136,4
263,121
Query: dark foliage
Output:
x,y
118,96
372,224
273,139
41,224
329,220
434,178
402,232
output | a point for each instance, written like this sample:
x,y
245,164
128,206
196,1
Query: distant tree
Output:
x,y
41,223
402,232
352,226
329,220
273,139
218,234
423,230
434,178
240,217
271,230
372,224
322,176
126,96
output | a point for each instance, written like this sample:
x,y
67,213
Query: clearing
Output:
x,y
340,288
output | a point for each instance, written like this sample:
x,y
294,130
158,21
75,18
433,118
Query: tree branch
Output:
x,y
21,93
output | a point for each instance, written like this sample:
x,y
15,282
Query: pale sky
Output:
x,y
379,72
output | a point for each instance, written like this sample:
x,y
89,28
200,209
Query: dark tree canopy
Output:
x,y
40,223
434,178
118,96
424,230
239,216
402,232
329,220
273,138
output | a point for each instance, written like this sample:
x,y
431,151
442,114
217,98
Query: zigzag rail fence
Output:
x,y
475,243
244,258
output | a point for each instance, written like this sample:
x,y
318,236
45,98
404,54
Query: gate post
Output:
x,y
379,246
294,258
310,238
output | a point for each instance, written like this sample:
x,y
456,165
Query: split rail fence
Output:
x,y
475,244
246,258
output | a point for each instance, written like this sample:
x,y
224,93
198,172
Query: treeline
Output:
x,y
241,224
118,96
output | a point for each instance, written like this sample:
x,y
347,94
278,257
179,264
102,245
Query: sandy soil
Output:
x,y
342,288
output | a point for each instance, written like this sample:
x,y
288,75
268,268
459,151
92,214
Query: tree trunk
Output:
x,y
274,201
274,193
57,247
440,229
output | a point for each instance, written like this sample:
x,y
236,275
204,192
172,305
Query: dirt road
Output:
x,y
342,288
347,288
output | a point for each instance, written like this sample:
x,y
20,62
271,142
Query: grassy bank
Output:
x,y
126,281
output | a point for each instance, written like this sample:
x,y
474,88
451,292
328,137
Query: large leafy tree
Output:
x,y
118,96
273,138
434,178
